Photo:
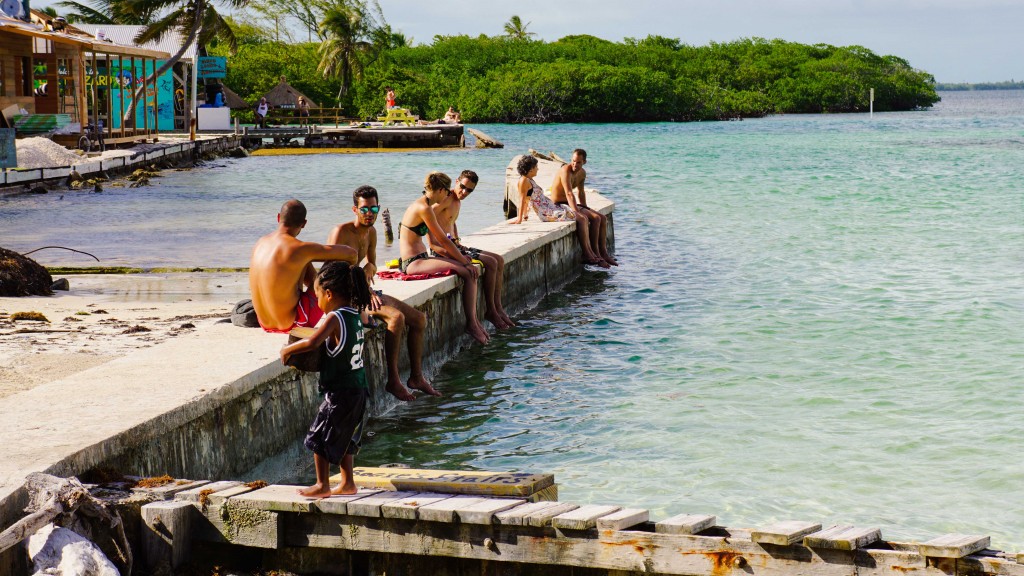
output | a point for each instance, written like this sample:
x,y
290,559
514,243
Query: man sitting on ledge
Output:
x,y
281,265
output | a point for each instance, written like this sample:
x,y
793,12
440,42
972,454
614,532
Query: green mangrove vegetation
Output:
x,y
346,54
587,79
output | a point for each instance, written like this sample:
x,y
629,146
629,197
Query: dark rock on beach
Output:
x,y
23,276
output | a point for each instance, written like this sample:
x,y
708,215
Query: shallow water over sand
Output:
x,y
816,318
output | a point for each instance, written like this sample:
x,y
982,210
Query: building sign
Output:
x,y
212,67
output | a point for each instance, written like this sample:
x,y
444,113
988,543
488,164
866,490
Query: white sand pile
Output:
x,y
44,153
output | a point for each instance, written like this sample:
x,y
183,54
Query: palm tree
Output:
x,y
354,34
197,20
516,30
104,12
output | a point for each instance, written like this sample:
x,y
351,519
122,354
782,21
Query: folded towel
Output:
x,y
394,275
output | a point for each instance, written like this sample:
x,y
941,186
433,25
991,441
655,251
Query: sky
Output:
x,y
955,40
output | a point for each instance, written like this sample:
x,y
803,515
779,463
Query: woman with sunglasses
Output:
x,y
419,221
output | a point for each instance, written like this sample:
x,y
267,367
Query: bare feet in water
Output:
x,y
508,320
608,258
420,383
498,321
398,391
315,491
478,333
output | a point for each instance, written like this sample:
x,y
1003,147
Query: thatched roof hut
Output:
x,y
233,100
285,96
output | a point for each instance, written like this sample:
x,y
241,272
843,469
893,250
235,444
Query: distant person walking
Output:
x,y
336,431
303,106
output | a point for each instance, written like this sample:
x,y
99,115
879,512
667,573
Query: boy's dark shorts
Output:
x,y
338,426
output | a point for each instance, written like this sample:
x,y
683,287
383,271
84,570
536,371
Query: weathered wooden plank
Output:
x,y
685,524
239,525
582,518
542,518
483,512
625,518
221,496
166,534
275,498
516,516
408,508
339,504
842,537
511,484
444,511
195,494
370,505
629,551
954,545
784,533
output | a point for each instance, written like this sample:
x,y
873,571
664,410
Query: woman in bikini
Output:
x,y
530,194
419,221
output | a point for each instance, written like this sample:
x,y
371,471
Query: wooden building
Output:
x,y
71,78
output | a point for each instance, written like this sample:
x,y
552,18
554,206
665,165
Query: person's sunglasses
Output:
x,y
369,209
466,188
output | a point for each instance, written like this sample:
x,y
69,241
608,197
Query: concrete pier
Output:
x,y
216,403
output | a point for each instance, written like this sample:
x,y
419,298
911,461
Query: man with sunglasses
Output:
x,y
447,212
397,315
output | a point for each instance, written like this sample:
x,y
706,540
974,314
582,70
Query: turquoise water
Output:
x,y
817,317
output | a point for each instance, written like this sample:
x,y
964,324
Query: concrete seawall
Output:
x,y
215,404
16,181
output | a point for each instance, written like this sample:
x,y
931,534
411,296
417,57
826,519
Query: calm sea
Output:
x,y
816,317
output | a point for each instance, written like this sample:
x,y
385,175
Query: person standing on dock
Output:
x,y
303,106
281,265
261,113
389,98
494,265
334,435
397,315
572,176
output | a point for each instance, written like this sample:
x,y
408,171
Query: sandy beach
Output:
x,y
104,317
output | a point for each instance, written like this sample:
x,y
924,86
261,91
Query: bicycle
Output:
x,y
92,137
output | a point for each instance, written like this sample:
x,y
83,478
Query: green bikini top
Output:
x,y
421,230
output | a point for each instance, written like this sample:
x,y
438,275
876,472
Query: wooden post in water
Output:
x,y
871,104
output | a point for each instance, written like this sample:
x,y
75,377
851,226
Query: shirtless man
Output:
x,y
281,265
572,176
397,315
494,265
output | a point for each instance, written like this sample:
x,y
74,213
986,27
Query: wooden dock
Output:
x,y
361,136
425,522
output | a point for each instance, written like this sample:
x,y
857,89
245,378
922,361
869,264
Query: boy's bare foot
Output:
x,y
607,258
420,383
396,389
509,321
344,489
315,491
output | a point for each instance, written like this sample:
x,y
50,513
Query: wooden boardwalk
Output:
x,y
425,530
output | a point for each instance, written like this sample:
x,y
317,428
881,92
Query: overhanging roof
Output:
x,y
87,43
125,34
